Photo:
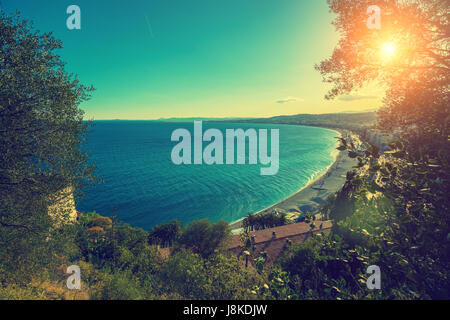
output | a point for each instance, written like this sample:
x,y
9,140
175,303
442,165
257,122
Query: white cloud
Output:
x,y
289,99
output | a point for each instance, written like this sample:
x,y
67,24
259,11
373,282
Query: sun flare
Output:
x,y
388,50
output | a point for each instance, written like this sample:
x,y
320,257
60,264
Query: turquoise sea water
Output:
x,y
146,188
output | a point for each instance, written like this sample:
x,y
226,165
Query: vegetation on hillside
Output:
x,y
118,261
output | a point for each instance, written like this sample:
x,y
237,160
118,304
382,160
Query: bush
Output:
x,y
119,286
218,277
205,238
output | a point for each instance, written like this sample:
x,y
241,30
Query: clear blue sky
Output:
x,y
213,58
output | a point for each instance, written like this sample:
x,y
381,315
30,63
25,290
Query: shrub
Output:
x,y
119,286
205,238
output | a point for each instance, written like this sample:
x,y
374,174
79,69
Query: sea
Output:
x,y
143,187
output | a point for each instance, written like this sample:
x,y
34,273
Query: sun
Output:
x,y
388,50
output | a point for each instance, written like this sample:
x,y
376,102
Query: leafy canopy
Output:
x,y
41,132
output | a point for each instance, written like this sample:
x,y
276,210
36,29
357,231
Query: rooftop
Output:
x,y
280,232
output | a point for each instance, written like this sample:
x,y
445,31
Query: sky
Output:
x,y
151,59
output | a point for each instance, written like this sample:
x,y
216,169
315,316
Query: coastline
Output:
x,y
309,197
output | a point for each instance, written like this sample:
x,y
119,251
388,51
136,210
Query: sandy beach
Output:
x,y
312,195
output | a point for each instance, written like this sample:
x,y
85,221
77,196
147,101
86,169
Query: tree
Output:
x,y
399,199
204,237
412,40
166,234
263,221
409,56
41,133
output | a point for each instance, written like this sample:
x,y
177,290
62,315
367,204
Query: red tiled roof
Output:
x,y
280,232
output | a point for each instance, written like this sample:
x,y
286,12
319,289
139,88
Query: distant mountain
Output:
x,y
199,119
330,120
345,120
360,111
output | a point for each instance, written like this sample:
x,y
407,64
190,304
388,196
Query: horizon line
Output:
x,y
232,117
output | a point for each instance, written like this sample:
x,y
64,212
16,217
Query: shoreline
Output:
x,y
309,197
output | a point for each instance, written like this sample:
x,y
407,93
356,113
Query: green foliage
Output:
x,y
119,286
41,130
279,289
263,221
259,264
218,277
411,254
395,216
166,234
205,238
86,217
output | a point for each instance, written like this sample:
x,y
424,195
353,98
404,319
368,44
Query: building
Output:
x,y
272,242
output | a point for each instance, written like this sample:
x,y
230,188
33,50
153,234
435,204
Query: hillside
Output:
x,y
329,120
